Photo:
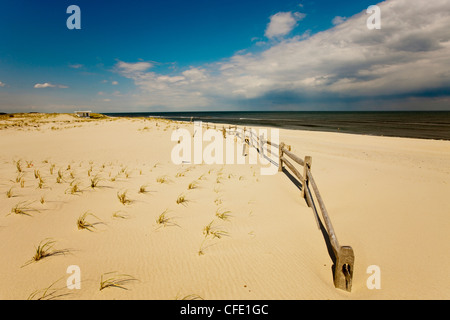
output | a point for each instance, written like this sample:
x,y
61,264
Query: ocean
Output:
x,y
420,124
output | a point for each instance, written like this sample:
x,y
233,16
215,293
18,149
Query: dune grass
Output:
x,y
48,293
163,179
83,224
123,198
19,177
9,193
143,188
180,174
44,250
193,185
19,166
74,188
119,215
182,200
223,215
190,297
210,230
22,208
165,221
95,181
114,280
41,182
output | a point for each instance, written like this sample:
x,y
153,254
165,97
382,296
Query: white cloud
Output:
x,y
125,67
194,74
114,83
338,20
44,85
75,66
282,23
2,84
49,85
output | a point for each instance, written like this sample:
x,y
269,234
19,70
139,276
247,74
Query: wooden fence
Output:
x,y
342,256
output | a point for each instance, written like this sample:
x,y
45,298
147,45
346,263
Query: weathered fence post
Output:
x,y
307,165
280,155
343,269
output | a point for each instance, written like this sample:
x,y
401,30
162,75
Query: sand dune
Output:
x,y
387,198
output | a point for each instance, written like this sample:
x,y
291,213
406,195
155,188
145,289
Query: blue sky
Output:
x,y
223,55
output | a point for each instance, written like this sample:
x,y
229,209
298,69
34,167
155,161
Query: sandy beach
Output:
x,y
388,198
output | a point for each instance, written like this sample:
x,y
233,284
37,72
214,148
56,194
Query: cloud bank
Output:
x,y
408,59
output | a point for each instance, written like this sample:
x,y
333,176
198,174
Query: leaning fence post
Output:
x,y
343,269
305,183
280,155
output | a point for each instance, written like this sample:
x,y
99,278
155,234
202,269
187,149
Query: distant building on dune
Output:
x,y
83,114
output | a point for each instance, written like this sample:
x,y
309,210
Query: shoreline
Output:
x,y
256,124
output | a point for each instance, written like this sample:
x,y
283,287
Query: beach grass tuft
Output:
x,y
190,297
162,179
210,230
143,188
182,200
119,215
19,166
9,193
22,208
82,223
193,185
123,198
74,188
164,220
223,215
94,181
48,293
44,250
114,280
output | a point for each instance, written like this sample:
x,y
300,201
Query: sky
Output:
x,y
219,55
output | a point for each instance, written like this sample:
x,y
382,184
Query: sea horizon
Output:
x,y
405,124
